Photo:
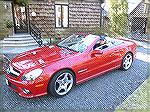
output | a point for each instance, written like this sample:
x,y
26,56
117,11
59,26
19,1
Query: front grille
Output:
x,y
13,72
12,85
16,70
13,75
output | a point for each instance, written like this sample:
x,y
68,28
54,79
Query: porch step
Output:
x,y
19,45
20,35
19,40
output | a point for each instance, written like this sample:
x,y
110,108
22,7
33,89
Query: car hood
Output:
x,y
40,57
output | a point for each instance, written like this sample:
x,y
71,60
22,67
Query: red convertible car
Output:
x,y
55,69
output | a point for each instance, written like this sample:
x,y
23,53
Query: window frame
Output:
x,y
61,5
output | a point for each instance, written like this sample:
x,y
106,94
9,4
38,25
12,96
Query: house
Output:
x,y
137,15
53,17
138,18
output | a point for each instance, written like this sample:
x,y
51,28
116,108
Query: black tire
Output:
x,y
60,81
127,61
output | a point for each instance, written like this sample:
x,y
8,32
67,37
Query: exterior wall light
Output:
x,y
33,14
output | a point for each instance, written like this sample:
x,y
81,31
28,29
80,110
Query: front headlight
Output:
x,y
32,75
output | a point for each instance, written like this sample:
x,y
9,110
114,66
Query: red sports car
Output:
x,y
55,69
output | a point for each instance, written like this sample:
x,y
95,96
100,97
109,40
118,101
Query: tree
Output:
x,y
118,15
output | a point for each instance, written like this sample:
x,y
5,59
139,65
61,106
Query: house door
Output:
x,y
20,19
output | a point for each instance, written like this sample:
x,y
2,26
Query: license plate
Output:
x,y
7,82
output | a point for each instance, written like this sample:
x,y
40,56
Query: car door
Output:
x,y
91,66
113,57
116,56
108,60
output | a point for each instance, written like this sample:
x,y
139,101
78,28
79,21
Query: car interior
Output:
x,y
108,44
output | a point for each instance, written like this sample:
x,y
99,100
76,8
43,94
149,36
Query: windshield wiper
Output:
x,y
67,48
71,49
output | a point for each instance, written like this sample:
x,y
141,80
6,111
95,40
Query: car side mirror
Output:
x,y
96,52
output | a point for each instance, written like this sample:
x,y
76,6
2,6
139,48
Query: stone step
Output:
x,y
18,38
20,35
17,42
20,45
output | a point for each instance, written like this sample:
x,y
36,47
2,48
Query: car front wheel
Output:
x,y
127,61
61,83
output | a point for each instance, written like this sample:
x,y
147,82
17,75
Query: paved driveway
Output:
x,y
102,93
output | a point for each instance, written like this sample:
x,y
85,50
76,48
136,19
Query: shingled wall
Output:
x,y
81,15
44,18
84,14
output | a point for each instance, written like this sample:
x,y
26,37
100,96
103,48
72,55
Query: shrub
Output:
x,y
3,33
8,24
95,31
21,2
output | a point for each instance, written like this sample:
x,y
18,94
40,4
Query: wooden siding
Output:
x,y
44,16
81,14
84,14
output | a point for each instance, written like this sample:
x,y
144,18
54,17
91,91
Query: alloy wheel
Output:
x,y
127,61
63,83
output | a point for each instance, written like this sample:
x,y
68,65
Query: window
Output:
x,y
146,8
61,16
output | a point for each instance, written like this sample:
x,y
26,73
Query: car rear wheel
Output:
x,y
127,61
61,83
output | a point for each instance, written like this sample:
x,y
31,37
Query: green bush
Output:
x,y
8,24
95,31
3,33
21,2
69,31
5,29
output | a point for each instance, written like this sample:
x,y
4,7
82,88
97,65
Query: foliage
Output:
x,y
69,31
8,24
118,10
21,2
5,21
96,31
148,25
3,12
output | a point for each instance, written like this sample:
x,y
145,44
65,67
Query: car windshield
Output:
x,y
77,42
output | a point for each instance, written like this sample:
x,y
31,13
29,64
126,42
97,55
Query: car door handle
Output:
x,y
112,54
121,50
116,51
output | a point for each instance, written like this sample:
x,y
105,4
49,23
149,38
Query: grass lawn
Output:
x,y
138,101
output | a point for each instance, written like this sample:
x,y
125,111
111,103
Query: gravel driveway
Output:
x,y
102,93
